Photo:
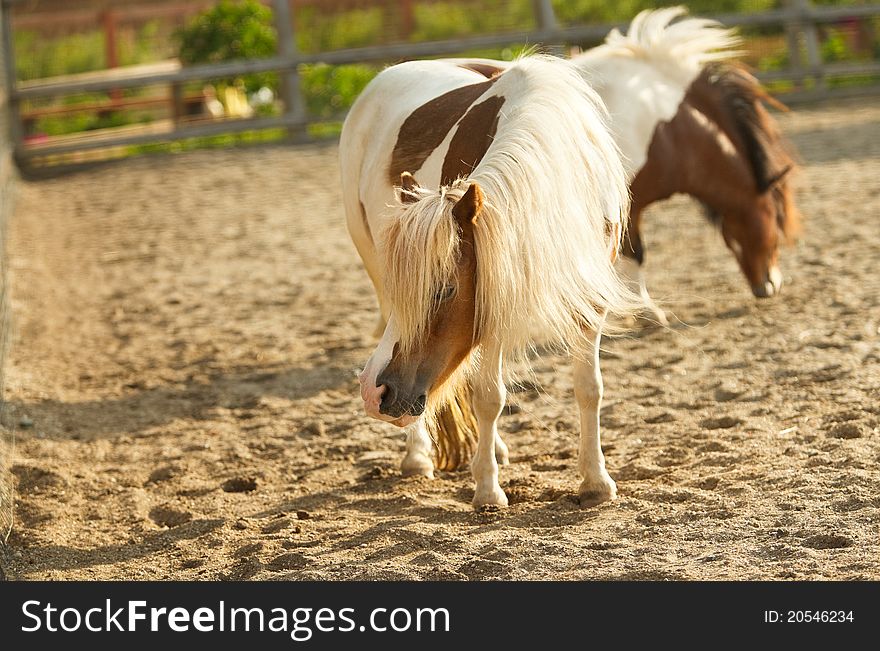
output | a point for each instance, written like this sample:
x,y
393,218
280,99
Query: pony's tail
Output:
x,y
455,430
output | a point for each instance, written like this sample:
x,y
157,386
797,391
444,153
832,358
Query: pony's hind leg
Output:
x,y
489,396
597,486
417,462
502,454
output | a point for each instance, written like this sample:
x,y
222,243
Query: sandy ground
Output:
x,y
182,382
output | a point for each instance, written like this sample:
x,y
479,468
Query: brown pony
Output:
x,y
723,148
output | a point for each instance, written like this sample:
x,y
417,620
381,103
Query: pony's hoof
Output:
x,y
594,492
417,465
492,497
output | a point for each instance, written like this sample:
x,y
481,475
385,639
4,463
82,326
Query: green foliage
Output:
x,y
835,48
318,31
37,57
441,20
143,47
331,89
776,61
59,125
222,141
229,31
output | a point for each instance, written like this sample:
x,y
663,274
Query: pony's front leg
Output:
x,y
418,462
489,396
631,266
597,485
633,272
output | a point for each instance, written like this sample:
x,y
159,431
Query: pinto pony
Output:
x,y
508,237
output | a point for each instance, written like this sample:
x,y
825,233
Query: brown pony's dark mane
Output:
x,y
741,98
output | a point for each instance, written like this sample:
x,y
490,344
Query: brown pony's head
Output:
x,y
756,219
430,279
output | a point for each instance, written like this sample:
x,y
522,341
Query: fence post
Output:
x,y
111,50
291,93
792,37
407,18
16,134
811,41
546,19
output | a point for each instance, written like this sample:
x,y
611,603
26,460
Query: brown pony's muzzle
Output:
x,y
771,285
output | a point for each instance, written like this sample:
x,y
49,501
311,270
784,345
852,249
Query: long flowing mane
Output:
x,y
689,44
743,98
552,220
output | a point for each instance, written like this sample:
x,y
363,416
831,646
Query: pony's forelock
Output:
x,y
421,249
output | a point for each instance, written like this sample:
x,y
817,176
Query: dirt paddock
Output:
x,y
182,381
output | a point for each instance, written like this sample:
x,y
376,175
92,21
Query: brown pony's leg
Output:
x,y
632,246
632,265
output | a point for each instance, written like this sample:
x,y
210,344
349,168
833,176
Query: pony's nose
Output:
x,y
396,403
771,286
418,405
763,290
389,404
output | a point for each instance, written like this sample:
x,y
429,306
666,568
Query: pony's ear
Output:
x,y
778,177
470,204
408,187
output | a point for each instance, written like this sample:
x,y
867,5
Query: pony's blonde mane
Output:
x,y
553,217
689,44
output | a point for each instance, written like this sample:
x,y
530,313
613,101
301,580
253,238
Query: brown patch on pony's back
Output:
x,y
426,127
471,140
487,70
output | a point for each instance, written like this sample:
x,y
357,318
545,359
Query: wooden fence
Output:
x,y
799,19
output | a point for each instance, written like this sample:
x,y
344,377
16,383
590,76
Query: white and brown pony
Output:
x,y
689,122
509,237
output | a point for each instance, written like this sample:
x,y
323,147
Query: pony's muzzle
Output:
x,y
397,402
771,285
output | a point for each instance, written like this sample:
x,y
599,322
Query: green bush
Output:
x,y
37,57
331,89
318,31
835,48
229,31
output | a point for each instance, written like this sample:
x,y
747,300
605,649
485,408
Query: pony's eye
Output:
x,y
445,293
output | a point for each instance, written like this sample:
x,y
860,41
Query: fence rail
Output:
x,y
799,19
